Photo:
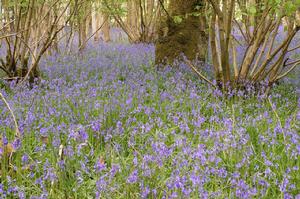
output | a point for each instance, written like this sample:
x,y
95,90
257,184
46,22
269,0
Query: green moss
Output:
x,y
185,37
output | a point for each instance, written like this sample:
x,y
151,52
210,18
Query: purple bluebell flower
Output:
x,y
133,177
16,144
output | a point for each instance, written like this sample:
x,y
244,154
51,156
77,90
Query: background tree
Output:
x,y
100,22
137,18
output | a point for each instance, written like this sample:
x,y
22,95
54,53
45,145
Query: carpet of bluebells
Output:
x,y
104,123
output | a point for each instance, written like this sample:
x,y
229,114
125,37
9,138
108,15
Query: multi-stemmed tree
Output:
x,y
250,26
265,57
29,29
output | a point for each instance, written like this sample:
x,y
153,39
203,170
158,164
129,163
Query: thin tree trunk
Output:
x,y
106,28
96,21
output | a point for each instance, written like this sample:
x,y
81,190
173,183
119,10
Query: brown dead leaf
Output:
x,y
101,160
45,139
8,149
61,152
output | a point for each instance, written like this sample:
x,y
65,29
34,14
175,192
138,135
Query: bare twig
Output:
x,y
83,44
292,63
295,48
164,9
9,35
241,30
217,9
288,71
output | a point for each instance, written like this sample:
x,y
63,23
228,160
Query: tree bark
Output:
x,y
106,27
184,36
96,21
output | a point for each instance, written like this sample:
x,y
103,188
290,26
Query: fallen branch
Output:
x,y
189,63
12,113
279,121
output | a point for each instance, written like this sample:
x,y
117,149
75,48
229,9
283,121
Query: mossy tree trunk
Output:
x,y
182,31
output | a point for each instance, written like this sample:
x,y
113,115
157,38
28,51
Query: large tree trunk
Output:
x,y
186,35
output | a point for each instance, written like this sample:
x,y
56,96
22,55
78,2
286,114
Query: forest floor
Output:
x,y
106,124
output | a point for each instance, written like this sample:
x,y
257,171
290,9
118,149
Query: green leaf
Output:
x,y
252,10
198,7
177,19
290,8
196,14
